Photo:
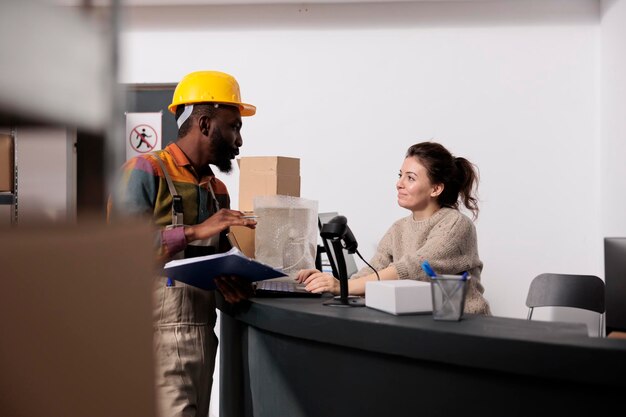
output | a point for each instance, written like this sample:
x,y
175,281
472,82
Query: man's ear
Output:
x,y
204,123
437,190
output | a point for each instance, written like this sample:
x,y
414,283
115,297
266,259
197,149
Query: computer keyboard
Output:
x,y
281,289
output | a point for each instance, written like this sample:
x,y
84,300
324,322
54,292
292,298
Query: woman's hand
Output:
x,y
318,282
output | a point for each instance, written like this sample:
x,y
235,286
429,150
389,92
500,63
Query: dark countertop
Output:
x,y
535,348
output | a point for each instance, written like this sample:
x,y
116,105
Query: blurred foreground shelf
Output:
x,y
54,66
77,335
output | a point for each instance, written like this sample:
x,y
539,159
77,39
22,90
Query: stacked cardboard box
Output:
x,y
6,163
263,175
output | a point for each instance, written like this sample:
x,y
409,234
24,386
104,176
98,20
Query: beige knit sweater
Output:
x,y
447,240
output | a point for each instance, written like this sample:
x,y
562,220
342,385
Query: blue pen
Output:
x,y
170,283
428,269
464,276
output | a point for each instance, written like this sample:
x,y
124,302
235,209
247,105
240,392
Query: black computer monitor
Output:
x,y
615,282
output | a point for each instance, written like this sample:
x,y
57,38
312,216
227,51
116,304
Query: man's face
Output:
x,y
225,137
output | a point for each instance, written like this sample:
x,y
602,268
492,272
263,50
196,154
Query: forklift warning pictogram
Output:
x,y
143,138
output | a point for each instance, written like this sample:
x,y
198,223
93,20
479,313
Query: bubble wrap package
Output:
x,y
286,233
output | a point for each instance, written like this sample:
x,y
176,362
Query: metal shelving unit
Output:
x,y
10,197
6,197
78,88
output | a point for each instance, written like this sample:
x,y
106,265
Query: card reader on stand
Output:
x,y
333,234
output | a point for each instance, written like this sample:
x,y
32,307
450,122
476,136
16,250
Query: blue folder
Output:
x,y
202,270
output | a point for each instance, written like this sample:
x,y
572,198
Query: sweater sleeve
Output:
x,y
449,245
383,256
450,248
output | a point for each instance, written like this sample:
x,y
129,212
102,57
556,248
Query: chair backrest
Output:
x,y
567,290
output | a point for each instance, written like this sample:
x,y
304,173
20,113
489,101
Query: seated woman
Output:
x,y
431,184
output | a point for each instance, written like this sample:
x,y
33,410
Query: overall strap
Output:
x,y
177,200
217,203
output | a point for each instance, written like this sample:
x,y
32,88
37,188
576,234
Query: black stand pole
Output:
x,y
318,257
343,300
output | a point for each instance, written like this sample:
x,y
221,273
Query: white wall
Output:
x,y
613,167
513,86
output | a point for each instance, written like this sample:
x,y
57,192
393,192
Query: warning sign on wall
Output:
x,y
143,133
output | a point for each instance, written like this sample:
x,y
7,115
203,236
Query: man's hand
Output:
x,y
217,223
233,288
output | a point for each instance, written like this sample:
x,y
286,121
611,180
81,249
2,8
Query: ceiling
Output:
x,y
224,2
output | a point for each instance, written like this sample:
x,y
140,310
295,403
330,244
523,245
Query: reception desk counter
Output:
x,y
295,357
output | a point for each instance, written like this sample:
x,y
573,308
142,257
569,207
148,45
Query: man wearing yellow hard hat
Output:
x,y
177,188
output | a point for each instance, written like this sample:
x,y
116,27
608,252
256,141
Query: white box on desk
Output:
x,y
399,296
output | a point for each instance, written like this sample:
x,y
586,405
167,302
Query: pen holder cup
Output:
x,y
448,294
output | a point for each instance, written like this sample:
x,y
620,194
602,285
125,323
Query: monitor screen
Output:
x,y
615,281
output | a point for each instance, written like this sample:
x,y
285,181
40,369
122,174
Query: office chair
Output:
x,y
566,290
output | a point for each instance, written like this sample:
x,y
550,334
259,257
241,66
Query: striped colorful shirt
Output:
x,y
143,191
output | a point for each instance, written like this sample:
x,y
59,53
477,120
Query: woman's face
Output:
x,y
415,191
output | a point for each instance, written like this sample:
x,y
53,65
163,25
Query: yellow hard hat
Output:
x,y
209,87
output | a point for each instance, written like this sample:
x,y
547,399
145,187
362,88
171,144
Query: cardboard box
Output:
x,y
263,175
6,163
245,237
267,175
77,303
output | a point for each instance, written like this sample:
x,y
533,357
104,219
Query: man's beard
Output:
x,y
224,153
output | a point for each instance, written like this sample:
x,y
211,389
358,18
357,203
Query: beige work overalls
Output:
x,y
184,341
